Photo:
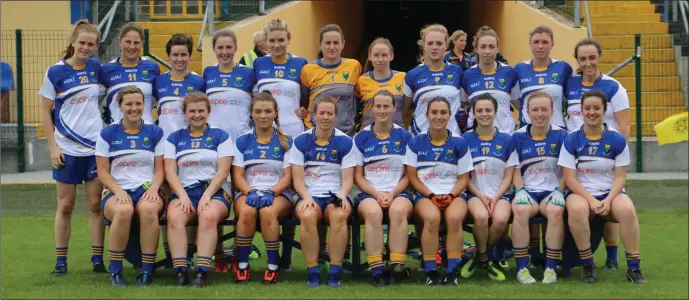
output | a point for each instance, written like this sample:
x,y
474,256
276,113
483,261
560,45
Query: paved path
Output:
x,y
39,177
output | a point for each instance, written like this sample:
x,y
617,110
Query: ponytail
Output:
x,y
282,136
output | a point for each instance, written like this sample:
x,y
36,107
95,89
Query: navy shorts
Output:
x,y
135,194
361,196
195,191
77,169
538,196
600,197
323,202
468,195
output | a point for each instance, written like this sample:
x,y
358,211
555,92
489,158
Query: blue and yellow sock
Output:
x,y
398,258
148,260
243,250
116,258
429,262
633,260
521,257
611,251
586,257
483,258
375,264
453,261
312,267
61,256
97,254
335,267
273,253
180,264
203,264
552,256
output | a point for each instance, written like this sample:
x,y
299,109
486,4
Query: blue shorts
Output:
x,y
77,169
323,202
600,197
468,195
538,196
195,191
135,194
288,194
361,196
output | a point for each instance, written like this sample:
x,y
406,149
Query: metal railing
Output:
x,y
107,20
148,53
568,8
209,20
684,9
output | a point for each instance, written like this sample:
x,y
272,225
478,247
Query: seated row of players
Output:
x,y
71,89
449,176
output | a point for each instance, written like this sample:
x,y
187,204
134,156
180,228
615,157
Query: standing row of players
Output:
x,y
73,86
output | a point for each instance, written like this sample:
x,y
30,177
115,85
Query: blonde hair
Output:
x,y
276,25
424,31
196,97
268,97
538,94
368,66
455,35
79,27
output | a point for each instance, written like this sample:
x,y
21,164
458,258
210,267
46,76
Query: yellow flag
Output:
x,y
674,129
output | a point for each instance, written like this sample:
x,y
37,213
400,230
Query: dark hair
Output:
x,y
80,26
324,30
266,96
482,97
587,42
598,94
369,66
437,99
384,93
542,29
538,94
132,26
179,39
128,90
224,33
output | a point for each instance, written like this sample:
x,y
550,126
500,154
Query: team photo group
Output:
x,y
275,137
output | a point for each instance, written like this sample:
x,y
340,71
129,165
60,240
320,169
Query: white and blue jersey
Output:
x,y
617,100
75,91
439,165
323,163
114,76
264,162
551,80
382,157
229,92
538,156
283,80
131,153
170,93
595,158
490,157
197,156
501,84
423,84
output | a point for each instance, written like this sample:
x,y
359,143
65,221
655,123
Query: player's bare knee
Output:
x,y
554,213
123,212
207,221
308,219
480,218
247,216
521,212
374,217
431,222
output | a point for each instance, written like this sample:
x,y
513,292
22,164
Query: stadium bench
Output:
x,y
569,258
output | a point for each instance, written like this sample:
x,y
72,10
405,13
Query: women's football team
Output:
x,y
432,147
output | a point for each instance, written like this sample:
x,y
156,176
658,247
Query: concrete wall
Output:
x,y
513,20
657,158
305,18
